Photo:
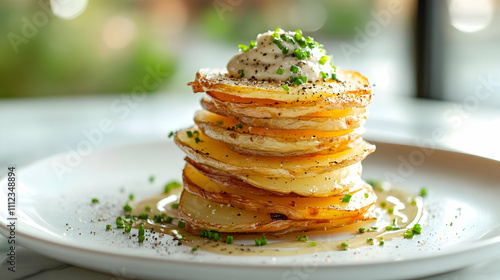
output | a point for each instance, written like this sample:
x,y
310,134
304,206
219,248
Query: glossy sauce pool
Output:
x,y
396,208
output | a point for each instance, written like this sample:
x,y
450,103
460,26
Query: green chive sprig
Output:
x,y
346,198
171,185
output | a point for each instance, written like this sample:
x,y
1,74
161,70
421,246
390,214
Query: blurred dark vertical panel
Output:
x,y
429,40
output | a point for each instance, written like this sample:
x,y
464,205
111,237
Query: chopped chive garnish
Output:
x,y
323,60
263,241
287,38
169,219
127,207
423,192
181,224
300,238
229,240
170,185
344,244
297,81
311,43
302,43
346,198
294,69
159,218
131,197
278,43
413,202
381,238
361,230
381,243
141,230
175,205
299,54
128,228
171,134
390,210
141,238
194,249
197,140
241,73
219,123
417,229
285,87
323,75
151,178
189,134
392,228
239,125
306,238
374,228
143,216
383,204
280,71
298,35
408,234
148,208
369,240
253,44
244,48
95,200
367,195
214,235
314,243
258,242
108,226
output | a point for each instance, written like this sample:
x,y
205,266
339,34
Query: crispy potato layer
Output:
x,y
262,159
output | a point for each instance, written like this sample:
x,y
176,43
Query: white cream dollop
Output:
x,y
263,61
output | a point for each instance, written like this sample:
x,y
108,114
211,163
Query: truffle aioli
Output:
x,y
263,61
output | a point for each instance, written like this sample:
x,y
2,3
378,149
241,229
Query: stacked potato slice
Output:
x,y
264,159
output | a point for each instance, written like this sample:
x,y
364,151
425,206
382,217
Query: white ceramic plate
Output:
x,y
55,217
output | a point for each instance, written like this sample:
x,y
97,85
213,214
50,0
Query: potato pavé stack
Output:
x,y
264,159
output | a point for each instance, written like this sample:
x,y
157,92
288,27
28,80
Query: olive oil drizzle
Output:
x,y
401,210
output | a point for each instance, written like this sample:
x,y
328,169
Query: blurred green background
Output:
x,y
106,45
88,47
